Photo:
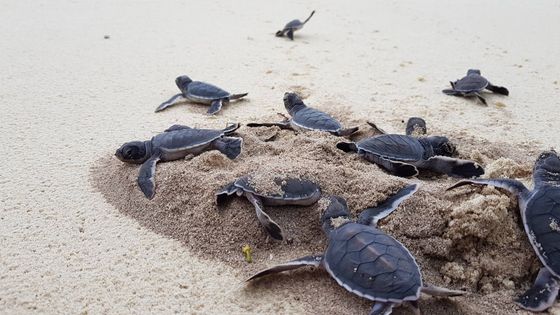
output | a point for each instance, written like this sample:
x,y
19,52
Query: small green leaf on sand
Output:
x,y
247,253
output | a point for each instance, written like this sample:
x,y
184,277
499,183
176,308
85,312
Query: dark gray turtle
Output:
x,y
199,92
292,191
540,213
175,143
307,118
415,126
403,155
472,85
293,26
366,261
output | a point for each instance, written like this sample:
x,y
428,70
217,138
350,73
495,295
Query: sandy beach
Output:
x,y
77,236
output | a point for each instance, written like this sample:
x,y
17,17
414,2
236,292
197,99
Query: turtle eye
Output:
x,y
128,152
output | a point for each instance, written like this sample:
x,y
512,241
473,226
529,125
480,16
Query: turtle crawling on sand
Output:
x,y
175,143
472,85
290,191
293,26
366,261
403,155
540,213
415,126
199,92
307,118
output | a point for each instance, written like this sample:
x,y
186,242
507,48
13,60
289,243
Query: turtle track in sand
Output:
x,y
469,239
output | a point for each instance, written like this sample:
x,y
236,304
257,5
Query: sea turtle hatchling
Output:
x,y
175,143
472,85
291,191
540,213
293,26
307,118
403,155
199,92
366,261
415,126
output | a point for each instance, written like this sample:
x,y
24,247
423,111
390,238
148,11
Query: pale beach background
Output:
x,y
69,97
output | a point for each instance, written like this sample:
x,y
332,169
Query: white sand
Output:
x,y
68,97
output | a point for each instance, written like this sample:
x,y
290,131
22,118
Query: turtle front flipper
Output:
x,y
282,125
497,89
290,265
394,167
177,98
480,98
346,132
229,146
543,293
269,225
371,216
439,291
215,107
452,90
382,308
452,167
510,185
146,175
377,129
290,34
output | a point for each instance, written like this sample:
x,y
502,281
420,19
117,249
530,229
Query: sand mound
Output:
x,y
468,239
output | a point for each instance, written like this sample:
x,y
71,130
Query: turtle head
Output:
x,y
441,145
547,167
415,126
292,101
134,152
473,71
182,82
335,214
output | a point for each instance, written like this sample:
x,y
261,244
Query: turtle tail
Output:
x,y
229,146
347,146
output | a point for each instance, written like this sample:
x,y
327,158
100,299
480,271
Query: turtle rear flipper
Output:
x,y
176,127
346,132
542,294
177,98
371,216
290,265
146,176
269,225
215,107
452,167
439,291
497,89
382,308
238,96
229,146
377,129
282,125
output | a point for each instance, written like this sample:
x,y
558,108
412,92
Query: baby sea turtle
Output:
x,y
366,261
291,191
293,26
403,155
415,126
175,143
307,118
199,92
540,213
472,85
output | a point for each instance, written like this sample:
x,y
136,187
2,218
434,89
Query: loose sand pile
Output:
x,y
470,238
